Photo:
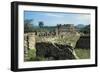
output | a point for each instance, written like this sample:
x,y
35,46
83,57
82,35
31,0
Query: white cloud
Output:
x,y
84,17
54,15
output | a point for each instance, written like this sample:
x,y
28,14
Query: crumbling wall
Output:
x,y
83,42
29,41
54,51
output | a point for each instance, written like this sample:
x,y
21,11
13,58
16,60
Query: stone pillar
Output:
x,y
25,43
29,44
25,46
31,40
57,31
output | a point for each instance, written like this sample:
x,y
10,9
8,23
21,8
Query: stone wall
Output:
x,y
54,51
83,42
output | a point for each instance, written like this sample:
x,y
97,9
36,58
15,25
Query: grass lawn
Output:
x,y
83,53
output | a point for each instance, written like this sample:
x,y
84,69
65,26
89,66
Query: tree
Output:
x,y
28,25
41,24
86,29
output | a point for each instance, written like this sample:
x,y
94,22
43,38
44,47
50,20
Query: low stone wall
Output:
x,y
83,42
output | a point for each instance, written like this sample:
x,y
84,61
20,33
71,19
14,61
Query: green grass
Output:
x,y
83,53
31,56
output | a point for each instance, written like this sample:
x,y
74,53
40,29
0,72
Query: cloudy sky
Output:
x,y
54,18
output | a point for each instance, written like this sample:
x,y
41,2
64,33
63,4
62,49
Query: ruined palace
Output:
x,y
65,28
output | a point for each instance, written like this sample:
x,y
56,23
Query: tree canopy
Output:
x,y
86,29
41,24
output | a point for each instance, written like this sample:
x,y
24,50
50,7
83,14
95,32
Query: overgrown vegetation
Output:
x,y
31,54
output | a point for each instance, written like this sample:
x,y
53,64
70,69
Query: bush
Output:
x,y
31,54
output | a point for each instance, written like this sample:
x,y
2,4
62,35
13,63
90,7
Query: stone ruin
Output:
x,y
58,31
54,51
64,29
29,41
48,50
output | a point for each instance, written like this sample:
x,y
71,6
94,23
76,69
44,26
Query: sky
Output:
x,y
54,18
